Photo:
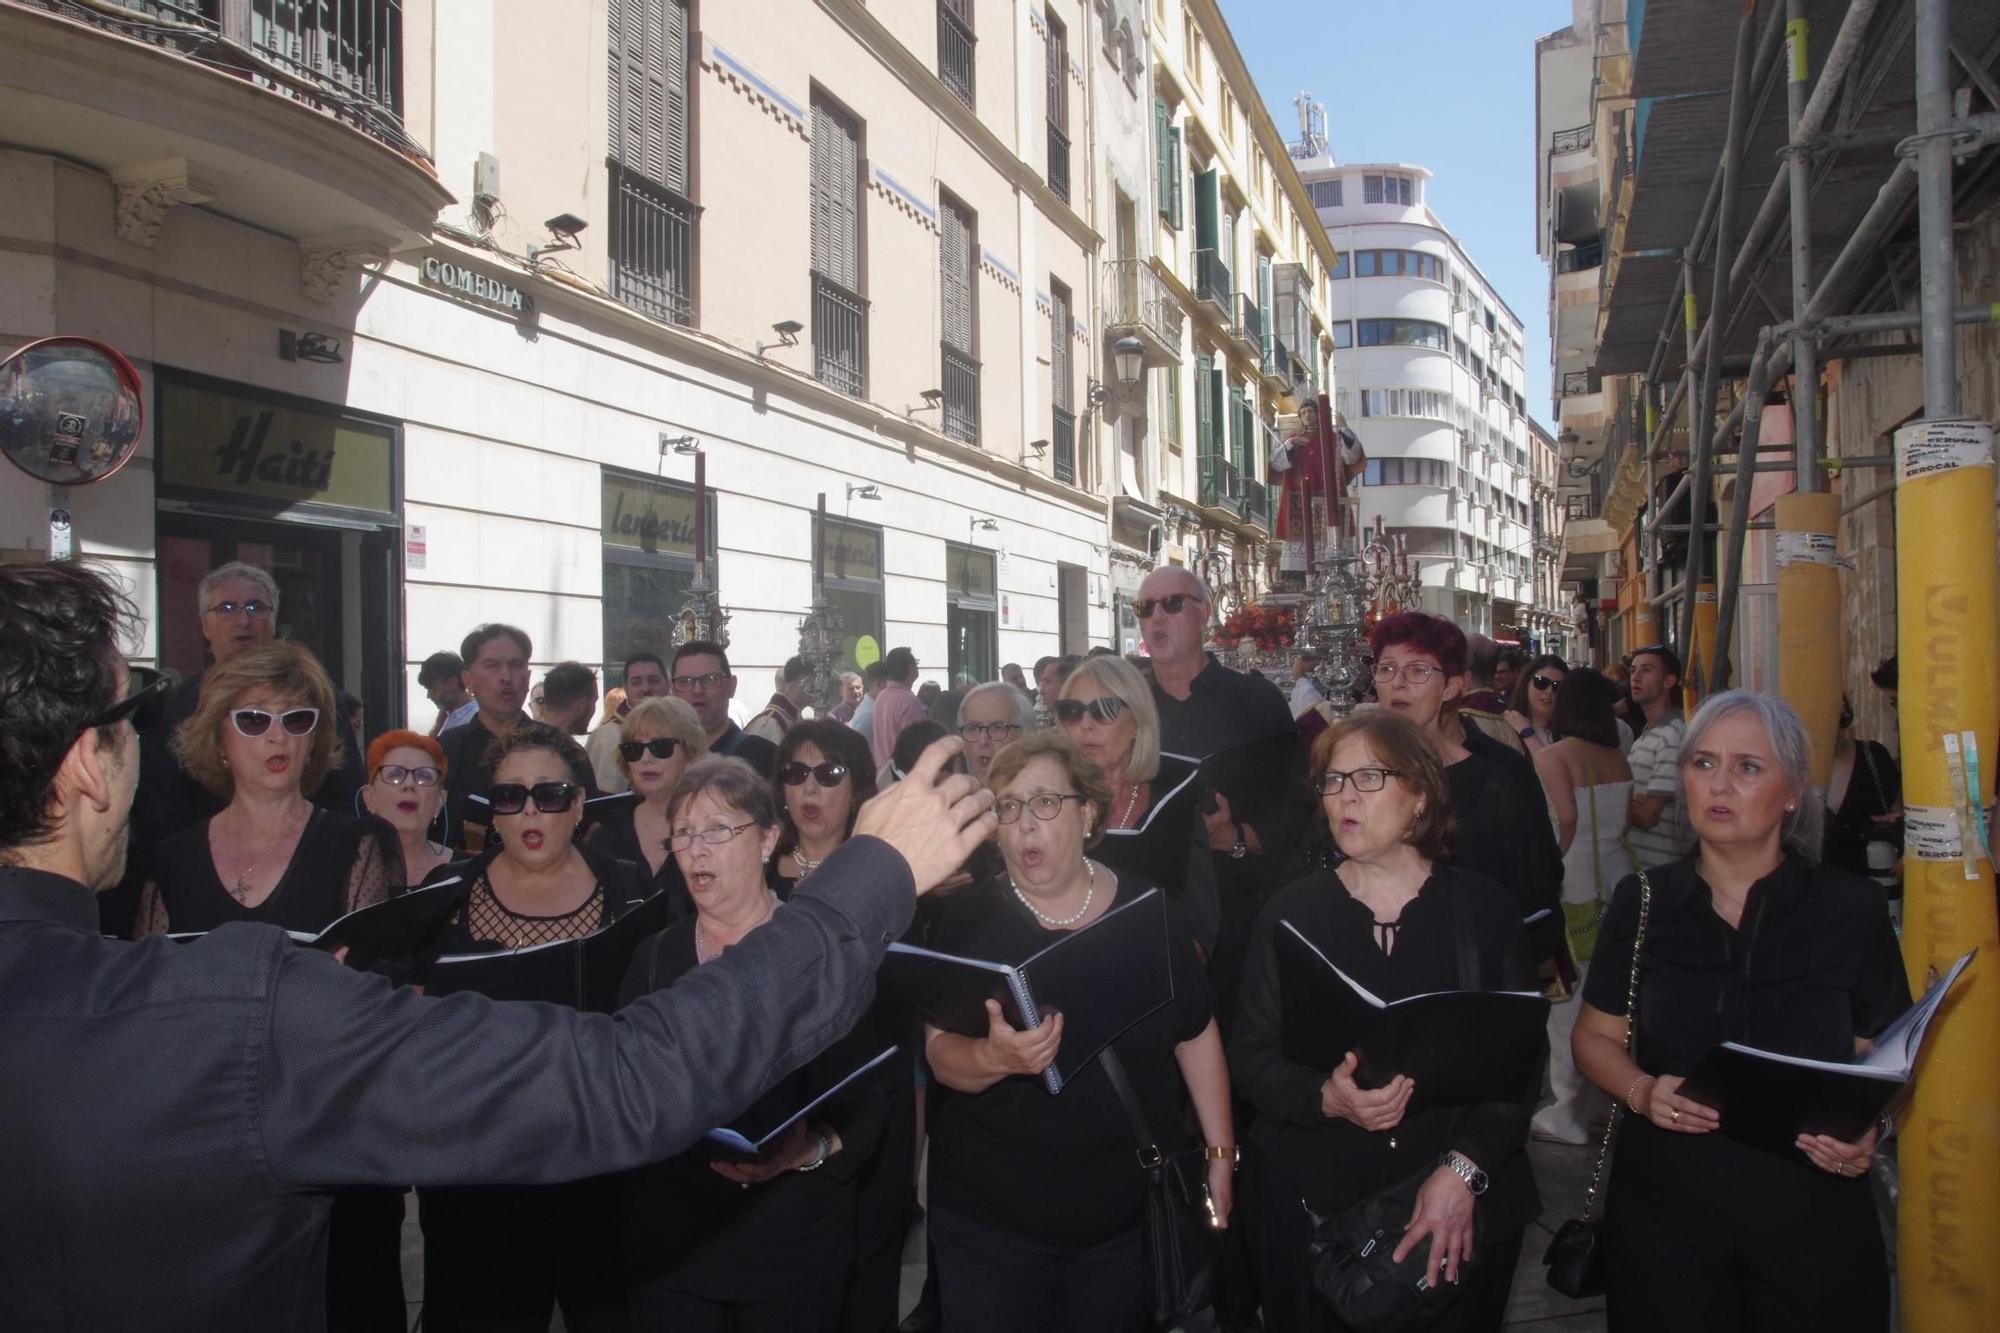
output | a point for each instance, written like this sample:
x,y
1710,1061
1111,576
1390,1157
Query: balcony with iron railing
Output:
x,y
1059,161
1276,365
839,335
652,247
1221,485
1573,140
1212,283
961,395
957,48
1581,258
285,116
1248,327
1063,436
1138,304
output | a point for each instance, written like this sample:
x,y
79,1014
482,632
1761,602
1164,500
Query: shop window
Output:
x,y
648,539
854,589
972,621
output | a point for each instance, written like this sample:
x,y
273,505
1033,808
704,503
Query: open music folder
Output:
x,y
584,973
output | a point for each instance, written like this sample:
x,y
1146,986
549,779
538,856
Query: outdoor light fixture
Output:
x,y
933,399
788,331
1128,358
564,228
868,492
1036,448
984,524
679,444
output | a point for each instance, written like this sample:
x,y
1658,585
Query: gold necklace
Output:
x,y
242,889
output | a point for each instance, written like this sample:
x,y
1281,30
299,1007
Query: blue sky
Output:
x,y
1446,84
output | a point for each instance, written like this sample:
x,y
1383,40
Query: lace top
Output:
x,y
490,921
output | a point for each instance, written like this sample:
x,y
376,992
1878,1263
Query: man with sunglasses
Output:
x,y
173,1115
702,678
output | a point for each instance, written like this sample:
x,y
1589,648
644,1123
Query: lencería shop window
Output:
x,y
649,536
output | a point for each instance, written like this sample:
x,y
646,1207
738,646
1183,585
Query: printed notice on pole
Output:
x,y
1805,548
1931,832
1927,448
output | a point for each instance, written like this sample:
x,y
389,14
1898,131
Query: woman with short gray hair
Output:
x,y
1746,940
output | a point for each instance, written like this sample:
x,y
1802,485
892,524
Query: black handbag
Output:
x,y
1180,1240
1575,1257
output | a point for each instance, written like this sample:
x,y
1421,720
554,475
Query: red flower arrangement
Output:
x,y
1269,628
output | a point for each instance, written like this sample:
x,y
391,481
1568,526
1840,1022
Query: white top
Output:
x,y
1596,859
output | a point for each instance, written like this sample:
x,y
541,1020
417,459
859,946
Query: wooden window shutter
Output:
x,y
1059,333
956,275
674,80
836,183
1176,215
1162,156
1204,406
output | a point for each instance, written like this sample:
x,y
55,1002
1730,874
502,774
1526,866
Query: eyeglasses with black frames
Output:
x,y
1333,781
1546,682
795,774
990,731
1173,604
1105,709
396,775
661,747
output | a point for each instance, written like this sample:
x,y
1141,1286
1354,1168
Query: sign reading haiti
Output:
x,y
478,287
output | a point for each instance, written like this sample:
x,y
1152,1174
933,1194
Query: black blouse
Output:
x,y
1875,788
690,1229
1331,1162
615,836
1500,823
1813,965
342,863
1170,847
623,886
1060,1168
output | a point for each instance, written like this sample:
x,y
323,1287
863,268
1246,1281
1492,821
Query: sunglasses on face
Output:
x,y
708,680
1172,604
1105,709
254,722
396,775
662,748
144,701
795,774
1545,682
551,798
252,609
1333,781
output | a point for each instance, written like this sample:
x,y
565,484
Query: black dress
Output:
x,y
1170,846
1874,788
614,835
700,1250
1500,825
1704,1232
1298,1154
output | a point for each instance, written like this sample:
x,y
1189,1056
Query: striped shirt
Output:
x,y
1655,761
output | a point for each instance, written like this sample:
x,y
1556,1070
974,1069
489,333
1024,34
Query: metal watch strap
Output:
x,y
1476,1180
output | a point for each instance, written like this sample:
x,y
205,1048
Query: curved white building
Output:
x,y
1428,362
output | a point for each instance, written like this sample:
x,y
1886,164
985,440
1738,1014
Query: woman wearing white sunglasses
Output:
x,y
262,735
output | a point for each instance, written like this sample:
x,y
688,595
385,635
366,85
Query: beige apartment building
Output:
x,y
498,271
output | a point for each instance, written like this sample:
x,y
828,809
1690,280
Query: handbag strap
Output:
x,y
1150,1155
1631,1038
1867,751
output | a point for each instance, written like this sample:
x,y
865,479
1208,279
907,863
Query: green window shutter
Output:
x,y
1264,305
1162,158
1207,210
1204,431
1239,447
1175,215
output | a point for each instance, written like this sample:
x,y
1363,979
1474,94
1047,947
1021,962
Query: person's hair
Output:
x,y
660,717
288,671
1670,664
614,699
848,677
732,782
1115,677
1017,702
1201,592
439,667
702,648
1083,772
267,587
60,626
911,743
1041,664
1481,653
378,750
1884,675
900,663
1100,650
1790,746
873,674
566,684
1512,657
930,689
468,651
1425,633
636,658
1517,698
540,736
841,744
795,670
1399,744
1583,708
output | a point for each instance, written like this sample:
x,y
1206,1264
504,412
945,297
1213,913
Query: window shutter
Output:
x,y
1162,157
955,276
647,84
1217,406
1239,447
1207,209
675,83
836,170
1204,407
1270,330
1059,331
1176,216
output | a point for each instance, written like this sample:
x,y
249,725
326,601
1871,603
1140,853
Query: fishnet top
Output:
x,y
490,921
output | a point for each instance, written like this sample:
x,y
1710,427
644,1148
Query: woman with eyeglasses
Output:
x,y
659,738
262,735
503,1257
1155,829
822,774
1532,702
406,772
1399,919
714,1241
1037,1202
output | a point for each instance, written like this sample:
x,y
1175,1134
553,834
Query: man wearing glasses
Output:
x,y
990,717
173,1116
701,677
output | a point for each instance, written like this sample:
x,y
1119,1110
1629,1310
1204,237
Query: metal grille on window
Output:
x,y
652,221
957,48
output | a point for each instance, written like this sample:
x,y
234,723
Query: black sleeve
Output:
x,y
1280,828
1611,962
1491,1133
356,1083
1881,986
1539,855
1199,897
1257,1065
337,789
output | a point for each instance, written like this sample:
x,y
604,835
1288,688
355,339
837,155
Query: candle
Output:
x,y
700,516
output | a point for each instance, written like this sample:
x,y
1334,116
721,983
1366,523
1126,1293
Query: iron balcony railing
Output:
x,y
961,395
1278,360
340,57
839,334
652,247
1302,377
1064,435
1212,280
1574,140
1249,320
1220,484
1257,502
1576,383
1135,297
1059,161
1581,258
956,48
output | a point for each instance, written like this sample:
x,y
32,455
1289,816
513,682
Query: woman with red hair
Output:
x,y
1500,819
406,772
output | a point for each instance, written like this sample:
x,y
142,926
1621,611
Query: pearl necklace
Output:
x,y
1131,807
704,954
806,866
1059,922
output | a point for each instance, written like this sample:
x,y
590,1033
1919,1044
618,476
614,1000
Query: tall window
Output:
x,y
652,219
957,48
1061,374
1058,85
1167,164
972,607
648,541
840,315
958,319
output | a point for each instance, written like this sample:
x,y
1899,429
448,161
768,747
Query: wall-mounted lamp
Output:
x,y
867,492
984,524
788,331
933,400
563,227
678,444
1128,359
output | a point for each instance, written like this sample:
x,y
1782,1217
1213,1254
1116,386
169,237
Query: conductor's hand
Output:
x,y
1341,1098
1012,1051
934,824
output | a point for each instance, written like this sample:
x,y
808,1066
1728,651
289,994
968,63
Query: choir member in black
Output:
x,y
1037,1202
714,1242
260,737
496,674
406,775
661,737
499,1258
1155,830
822,774
1388,916
1747,940
1500,821
1864,800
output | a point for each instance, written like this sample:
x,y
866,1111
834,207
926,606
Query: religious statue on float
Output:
x,y
1321,458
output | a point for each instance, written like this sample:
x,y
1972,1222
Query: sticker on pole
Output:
x,y
1806,548
1928,448
1930,833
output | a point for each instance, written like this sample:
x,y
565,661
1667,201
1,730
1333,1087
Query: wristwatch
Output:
x,y
1242,848
823,1149
1475,1179
1528,734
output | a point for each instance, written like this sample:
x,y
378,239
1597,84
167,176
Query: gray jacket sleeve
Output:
x,y
355,1083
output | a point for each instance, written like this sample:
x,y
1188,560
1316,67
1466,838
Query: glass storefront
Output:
x,y
972,609
648,564
854,589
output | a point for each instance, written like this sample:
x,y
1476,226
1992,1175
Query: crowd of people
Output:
x,y
1477,821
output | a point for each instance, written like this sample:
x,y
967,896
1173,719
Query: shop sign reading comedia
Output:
x,y
478,287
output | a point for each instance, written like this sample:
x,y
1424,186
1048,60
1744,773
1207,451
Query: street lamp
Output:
x,y
1128,359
